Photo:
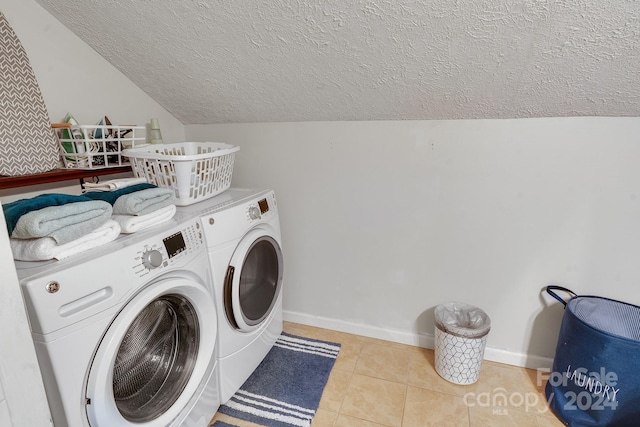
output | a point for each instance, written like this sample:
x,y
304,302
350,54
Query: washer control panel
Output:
x,y
162,252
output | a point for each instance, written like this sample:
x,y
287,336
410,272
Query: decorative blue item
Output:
x,y
595,379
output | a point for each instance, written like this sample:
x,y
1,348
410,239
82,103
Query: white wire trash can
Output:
x,y
461,332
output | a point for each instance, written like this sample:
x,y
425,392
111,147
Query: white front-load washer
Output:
x,y
242,234
126,334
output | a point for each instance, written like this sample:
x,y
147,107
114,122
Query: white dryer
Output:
x,y
242,234
126,334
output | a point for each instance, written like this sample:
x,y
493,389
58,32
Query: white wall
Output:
x,y
382,221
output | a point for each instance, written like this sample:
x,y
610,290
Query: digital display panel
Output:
x,y
264,206
174,244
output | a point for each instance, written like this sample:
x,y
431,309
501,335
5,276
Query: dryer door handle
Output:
x,y
228,296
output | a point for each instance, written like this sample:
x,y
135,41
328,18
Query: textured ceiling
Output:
x,y
209,61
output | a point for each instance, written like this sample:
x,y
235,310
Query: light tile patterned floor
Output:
x,y
380,383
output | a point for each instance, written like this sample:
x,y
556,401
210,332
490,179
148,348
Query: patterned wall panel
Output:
x,y
27,142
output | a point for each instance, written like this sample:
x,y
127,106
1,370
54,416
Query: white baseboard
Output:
x,y
413,338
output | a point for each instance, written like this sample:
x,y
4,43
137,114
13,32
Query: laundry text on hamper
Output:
x,y
599,388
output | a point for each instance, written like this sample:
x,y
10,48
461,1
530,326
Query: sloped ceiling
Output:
x,y
220,61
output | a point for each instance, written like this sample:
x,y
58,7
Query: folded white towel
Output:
x,y
114,184
45,248
133,223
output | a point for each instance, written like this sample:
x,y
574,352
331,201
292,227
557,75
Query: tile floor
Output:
x,y
380,383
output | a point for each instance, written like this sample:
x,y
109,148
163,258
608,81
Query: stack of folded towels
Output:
x,y
136,204
56,226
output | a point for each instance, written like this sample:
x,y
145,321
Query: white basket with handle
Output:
x,y
97,146
195,171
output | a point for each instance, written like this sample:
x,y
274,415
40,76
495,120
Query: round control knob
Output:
x,y
254,212
152,259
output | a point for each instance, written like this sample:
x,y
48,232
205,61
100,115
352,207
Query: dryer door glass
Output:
x,y
260,279
156,358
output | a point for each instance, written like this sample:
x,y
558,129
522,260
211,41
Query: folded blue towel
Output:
x,y
63,223
112,196
14,210
143,202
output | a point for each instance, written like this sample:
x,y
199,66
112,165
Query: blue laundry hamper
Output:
x,y
595,379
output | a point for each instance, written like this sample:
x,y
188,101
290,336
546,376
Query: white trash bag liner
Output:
x,y
462,320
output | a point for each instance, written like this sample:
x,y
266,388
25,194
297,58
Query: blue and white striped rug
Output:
x,y
285,389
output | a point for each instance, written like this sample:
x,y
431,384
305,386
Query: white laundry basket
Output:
x,y
195,171
460,339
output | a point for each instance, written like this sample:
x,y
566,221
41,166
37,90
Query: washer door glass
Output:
x,y
251,295
156,358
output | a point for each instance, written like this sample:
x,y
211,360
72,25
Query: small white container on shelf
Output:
x,y
195,171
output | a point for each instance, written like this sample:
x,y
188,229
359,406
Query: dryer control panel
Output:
x,y
162,252
228,223
262,207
